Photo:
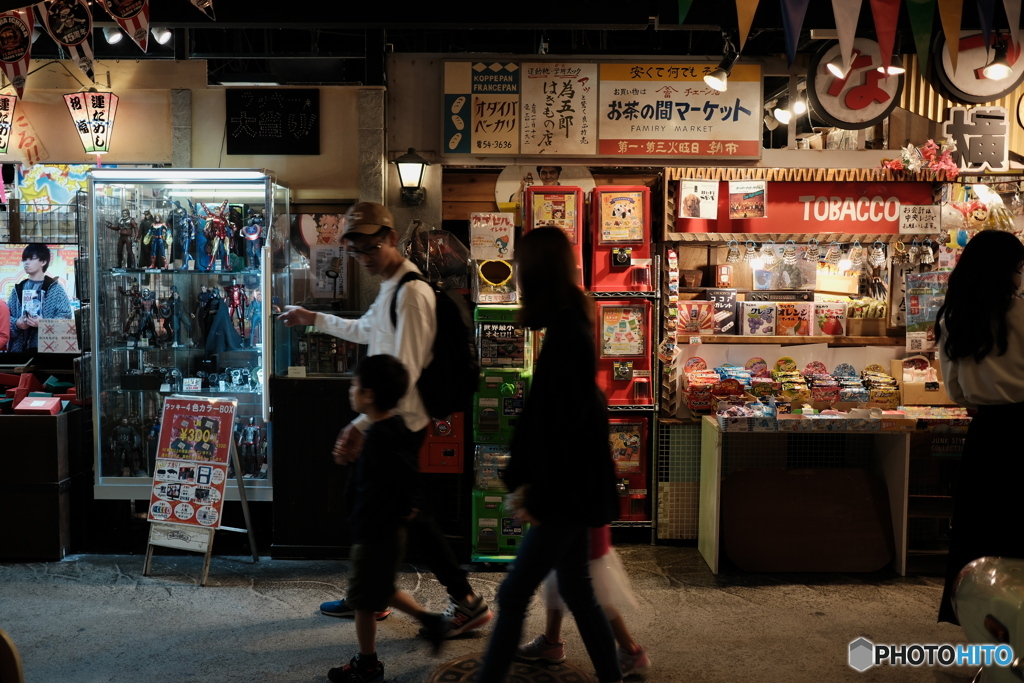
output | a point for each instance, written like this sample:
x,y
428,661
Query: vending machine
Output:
x,y
559,207
624,361
621,225
627,438
496,534
506,363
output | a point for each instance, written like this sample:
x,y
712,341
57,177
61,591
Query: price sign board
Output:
x,y
192,459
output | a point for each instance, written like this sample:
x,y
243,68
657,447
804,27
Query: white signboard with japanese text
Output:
x,y
491,235
558,108
920,220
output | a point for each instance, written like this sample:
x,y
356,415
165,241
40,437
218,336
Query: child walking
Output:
x,y
381,495
611,587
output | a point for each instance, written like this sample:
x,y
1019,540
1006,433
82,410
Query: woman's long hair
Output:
x,y
546,270
981,289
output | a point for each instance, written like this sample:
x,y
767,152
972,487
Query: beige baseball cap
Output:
x,y
367,218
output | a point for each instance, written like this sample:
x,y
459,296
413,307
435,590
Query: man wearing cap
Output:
x,y
370,237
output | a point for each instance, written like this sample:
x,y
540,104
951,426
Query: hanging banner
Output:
x,y
558,115
950,13
69,23
922,16
846,14
16,46
886,14
481,108
698,199
192,460
27,141
747,198
132,16
668,110
793,12
1012,8
93,114
745,10
206,7
986,8
7,106
491,236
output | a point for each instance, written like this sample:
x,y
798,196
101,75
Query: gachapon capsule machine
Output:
x,y
627,438
557,206
621,224
624,352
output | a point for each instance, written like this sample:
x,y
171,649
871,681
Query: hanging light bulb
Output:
x,y
799,106
782,114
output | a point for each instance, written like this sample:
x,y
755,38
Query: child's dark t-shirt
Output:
x,y
384,480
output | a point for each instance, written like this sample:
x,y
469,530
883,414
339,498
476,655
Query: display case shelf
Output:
x,y
777,339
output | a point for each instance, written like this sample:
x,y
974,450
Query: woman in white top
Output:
x,y
980,334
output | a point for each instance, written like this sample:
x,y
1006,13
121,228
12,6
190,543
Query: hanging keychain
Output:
x,y
899,253
856,256
768,254
914,253
835,252
927,255
734,252
789,253
877,256
812,251
750,251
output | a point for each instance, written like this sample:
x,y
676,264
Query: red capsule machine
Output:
x,y
627,438
557,206
442,448
621,224
624,352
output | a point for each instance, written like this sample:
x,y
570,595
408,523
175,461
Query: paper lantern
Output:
x,y
93,114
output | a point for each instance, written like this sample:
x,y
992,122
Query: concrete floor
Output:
x,y
93,618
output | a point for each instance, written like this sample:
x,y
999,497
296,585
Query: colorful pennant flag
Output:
x,y
16,46
986,8
745,10
206,6
1012,8
922,17
69,23
133,18
886,14
847,13
793,12
950,13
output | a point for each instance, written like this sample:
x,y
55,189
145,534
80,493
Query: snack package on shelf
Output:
x,y
758,318
829,319
696,317
793,318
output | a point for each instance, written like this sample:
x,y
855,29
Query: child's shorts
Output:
x,y
371,582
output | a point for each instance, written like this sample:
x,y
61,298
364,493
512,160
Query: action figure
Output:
x,y
147,310
151,441
235,230
256,318
250,440
235,296
217,236
220,333
174,318
129,232
144,225
199,313
184,225
133,295
159,232
127,446
253,233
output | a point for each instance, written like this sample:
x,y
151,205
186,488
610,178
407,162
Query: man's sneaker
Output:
x,y
339,608
353,673
434,629
540,649
466,616
636,663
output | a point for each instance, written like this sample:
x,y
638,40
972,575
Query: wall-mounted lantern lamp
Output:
x,y
410,174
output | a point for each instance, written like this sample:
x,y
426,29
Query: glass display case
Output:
x,y
181,274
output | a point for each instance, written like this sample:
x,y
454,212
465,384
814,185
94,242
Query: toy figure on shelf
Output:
x,y
199,314
217,234
147,310
145,249
235,230
250,438
159,236
126,445
253,233
133,295
256,318
128,232
236,298
152,437
184,225
174,318
220,333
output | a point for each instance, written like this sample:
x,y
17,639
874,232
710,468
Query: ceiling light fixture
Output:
x,y
161,35
113,35
719,77
999,68
837,68
895,67
782,114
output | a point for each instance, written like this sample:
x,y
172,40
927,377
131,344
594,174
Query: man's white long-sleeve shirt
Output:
x,y
411,341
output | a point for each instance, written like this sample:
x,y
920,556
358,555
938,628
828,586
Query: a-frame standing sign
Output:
x,y
190,476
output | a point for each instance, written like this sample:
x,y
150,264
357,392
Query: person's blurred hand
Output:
x,y
347,446
297,315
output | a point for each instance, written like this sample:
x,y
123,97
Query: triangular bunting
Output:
x,y
16,46
847,13
886,14
950,13
69,23
745,10
684,8
793,12
986,8
206,6
1012,8
922,17
133,18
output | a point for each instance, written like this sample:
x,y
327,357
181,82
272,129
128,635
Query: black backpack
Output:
x,y
449,381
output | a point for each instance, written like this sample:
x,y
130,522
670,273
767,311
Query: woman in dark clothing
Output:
x,y
561,470
980,334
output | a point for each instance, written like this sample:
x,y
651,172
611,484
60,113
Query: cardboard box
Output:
x,y
696,317
38,405
725,315
793,318
837,284
865,327
829,319
758,318
921,393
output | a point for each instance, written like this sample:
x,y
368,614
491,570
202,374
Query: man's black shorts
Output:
x,y
371,582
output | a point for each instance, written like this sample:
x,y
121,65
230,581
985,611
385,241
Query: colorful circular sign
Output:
x,y
967,83
862,99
